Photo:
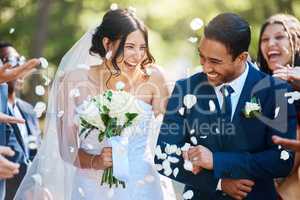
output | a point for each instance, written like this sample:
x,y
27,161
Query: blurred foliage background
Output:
x,y
49,28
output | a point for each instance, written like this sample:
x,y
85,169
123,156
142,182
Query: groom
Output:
x,y
231,153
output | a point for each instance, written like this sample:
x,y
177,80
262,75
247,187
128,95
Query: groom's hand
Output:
x,y
195,169
201,157
238,189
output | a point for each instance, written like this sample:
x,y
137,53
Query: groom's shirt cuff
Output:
x,y
219,187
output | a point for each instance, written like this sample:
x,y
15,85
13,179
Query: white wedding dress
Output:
x,y
144,183
53,176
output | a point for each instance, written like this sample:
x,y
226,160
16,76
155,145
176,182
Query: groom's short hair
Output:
x,y
231,30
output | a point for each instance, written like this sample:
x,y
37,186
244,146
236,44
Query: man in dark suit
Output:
x,y
229,113
27,134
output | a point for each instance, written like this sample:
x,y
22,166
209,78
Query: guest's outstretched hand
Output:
x,y
287,143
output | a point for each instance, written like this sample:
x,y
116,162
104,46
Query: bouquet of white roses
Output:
x,y
109,113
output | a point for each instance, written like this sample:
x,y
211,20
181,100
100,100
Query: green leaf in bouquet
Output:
x,y
104,109
101,136
130,117
108,94
105,118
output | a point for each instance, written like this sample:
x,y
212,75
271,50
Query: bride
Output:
x,y
70,167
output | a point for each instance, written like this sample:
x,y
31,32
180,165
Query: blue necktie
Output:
x,y
226,91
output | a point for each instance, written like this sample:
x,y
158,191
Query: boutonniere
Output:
x,y
252,108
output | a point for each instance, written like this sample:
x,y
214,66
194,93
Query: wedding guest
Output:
x,y
27,134
279,55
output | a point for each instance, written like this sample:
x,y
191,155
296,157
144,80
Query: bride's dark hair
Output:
x,y
117,25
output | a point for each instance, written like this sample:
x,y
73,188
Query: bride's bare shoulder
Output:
x,y
156,73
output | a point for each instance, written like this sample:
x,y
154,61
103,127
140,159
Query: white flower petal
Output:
x,y
81,192
74,93
44,63
192,131
168,171
188,165
120,85
178,152
196,24
193,39
37,178
60,114
11,30
172,159
218,131
47,80
276,112
148,71
194,140
279,146
158,167
291,100
185,147
175,172
189,100
181,111
212,106
284,155
39,90
203,136
108,55
114,6
166,164
188,195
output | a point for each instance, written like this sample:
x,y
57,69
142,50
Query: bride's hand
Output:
x,y
104,160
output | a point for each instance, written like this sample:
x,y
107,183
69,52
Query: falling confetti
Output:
x,y
276,112
188,165
11,30
74,93
32,142
188,195
217,131
181,111
185,147
168,171
203,136
170,149
194,140
193,39
120,85
189,100
47,80
148,71
37,178
158,167
279,146
81,192
284,155
114,6
212,106
43,62
196,24
39,90
60,114
173,159
175,172
39,108
132,9
108,55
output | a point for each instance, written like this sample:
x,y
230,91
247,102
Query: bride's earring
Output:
x,y
108,55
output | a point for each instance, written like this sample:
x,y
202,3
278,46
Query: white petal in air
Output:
x,y
158,167
196,24
11,30
212,106
192,131
189,100
185,147
114,6
120,85
284,155
39,108
203,136
148,71
279,146
178,152
39,90
172,159
181,111
194,140
74,93
175,172
60,114
81,192
291,100
168,171
47,80
44,62
37,178
193,39
108,55
188,165
276,112
188,195
132,9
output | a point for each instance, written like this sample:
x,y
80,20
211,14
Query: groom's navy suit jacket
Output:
x,y
242,149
